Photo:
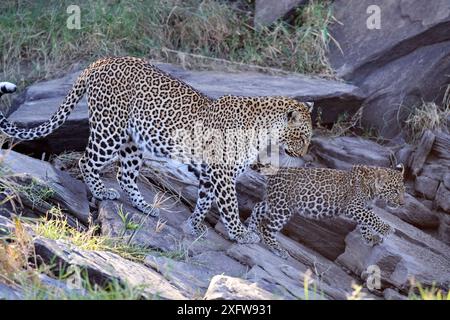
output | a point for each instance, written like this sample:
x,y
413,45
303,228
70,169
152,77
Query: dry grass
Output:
x,y
19,189
55,226
345,125
36,44
19,270
418,292
15,251
427,116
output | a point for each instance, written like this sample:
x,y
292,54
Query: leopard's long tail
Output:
x,y
56,120
7,87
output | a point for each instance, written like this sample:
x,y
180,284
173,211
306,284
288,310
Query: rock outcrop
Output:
x,y
328,257
268,11
397,64
330,254
45,186
229,288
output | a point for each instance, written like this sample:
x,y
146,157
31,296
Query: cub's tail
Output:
x,y
56,120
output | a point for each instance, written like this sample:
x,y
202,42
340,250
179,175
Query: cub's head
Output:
x,y
296,135
387,184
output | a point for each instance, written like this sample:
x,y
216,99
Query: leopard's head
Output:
x,y
296,135
386,184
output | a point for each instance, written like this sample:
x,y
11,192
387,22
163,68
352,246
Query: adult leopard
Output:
x,y
135,107
324,193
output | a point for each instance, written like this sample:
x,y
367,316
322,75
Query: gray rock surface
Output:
x,y
421,153
268,11
229,288
194,274
443,198
399,64
67,191
415,213
444,228
407,253
103,267
426,186
442,144
446,180
344,152
391,294
9,293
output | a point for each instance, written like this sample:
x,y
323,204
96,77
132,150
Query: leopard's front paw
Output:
x,y
197,230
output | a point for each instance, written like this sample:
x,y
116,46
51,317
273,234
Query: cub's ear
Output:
x,y
400,167
309,105
380,178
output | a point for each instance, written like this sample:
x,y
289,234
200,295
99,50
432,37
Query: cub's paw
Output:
x,y
252,225
387,230
282,253
247,237
198,230
372,239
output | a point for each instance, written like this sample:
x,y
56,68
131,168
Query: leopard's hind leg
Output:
x,y
100,151
107,134
203,205
130,157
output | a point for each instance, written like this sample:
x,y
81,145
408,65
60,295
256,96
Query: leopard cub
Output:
x,y
325,193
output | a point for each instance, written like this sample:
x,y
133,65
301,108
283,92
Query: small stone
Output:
x,y
391,294
423,149
446,180
62,189
268,11
443,198
426,186
444,228
415,213
230,288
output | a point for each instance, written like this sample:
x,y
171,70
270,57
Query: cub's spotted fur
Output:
x,y
323,193
135,107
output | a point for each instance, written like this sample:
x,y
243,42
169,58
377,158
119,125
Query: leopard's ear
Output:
x,y
309,105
